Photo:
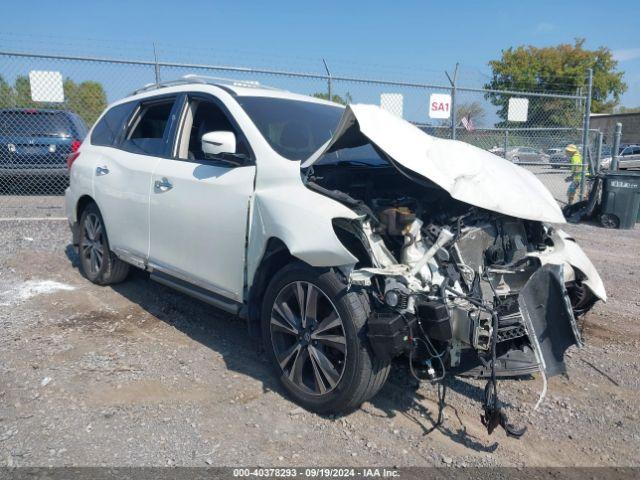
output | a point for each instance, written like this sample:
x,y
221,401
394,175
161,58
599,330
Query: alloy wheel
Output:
x,y
92,247
308,338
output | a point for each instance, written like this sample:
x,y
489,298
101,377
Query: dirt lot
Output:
x,y
140,375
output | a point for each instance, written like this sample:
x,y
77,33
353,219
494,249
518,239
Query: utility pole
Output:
x,y
617,136
596,166
506,142
157,67
326,67
452,81
585,134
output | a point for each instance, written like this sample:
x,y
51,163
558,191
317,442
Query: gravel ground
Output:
x,y
29,206
137,374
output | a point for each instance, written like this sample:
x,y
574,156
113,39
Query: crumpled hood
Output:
x,y
468,173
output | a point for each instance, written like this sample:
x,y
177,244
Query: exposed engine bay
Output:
x,y
459,289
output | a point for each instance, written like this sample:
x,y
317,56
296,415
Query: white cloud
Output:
x,y
626,54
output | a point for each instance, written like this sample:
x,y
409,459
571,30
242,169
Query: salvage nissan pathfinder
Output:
x,y
345,236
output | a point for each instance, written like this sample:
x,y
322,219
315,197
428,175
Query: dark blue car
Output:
x,y
36,142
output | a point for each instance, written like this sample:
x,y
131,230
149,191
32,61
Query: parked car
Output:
x,y
345,236
526,155
36,142
557,157
497,150
628,158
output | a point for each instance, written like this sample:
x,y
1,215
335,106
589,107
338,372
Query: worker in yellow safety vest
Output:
x,y
575,164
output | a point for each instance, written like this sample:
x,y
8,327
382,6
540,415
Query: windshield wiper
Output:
x,y
356,163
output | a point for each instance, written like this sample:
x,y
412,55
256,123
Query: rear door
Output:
x,y
199,204
122,175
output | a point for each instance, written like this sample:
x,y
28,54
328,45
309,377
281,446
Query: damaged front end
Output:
x,y
458,286
461,288
470,297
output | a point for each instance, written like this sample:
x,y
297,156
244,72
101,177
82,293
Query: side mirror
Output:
x,y
217,143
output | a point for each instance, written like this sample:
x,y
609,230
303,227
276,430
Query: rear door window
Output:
x,y
149,131
108,130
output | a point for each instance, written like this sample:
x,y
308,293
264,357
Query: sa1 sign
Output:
x,y
439,105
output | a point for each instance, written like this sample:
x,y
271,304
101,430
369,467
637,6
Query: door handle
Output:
x,y
101,171
163,185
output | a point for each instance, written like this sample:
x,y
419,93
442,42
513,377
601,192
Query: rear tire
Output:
x,y
353,374
97,262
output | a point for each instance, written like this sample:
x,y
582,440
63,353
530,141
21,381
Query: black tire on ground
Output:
x,y
97,262
608,220
362,374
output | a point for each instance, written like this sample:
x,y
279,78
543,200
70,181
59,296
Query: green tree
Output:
x,y
473,110
335,98
558,69
6,94
88,99
22,93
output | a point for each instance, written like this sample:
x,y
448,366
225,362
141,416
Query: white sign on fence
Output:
x,y
518,109
439,105
46,86
392,103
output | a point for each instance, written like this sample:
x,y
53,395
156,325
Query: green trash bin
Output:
x,y
620,206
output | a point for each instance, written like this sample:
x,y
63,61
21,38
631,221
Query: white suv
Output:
x,y
345,236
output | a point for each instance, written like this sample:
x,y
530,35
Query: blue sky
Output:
x,y
416,40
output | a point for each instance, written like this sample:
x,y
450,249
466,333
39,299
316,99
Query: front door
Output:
x,y
199,205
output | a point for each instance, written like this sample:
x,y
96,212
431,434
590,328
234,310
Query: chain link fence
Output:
x,y
48,103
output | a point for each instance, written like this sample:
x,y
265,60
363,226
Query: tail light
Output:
x,y
75,146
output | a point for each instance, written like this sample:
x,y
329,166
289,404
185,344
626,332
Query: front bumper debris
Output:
x,y
548,318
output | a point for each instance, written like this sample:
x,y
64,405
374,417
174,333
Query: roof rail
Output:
x,y
203,79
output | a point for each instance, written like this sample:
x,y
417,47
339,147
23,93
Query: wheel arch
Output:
x,y
276,256
81,205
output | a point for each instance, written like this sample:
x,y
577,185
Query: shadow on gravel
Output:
x,y
72,255
209,326
400,395
227,335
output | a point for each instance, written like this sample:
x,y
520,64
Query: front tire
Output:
x,y
97,262
314,334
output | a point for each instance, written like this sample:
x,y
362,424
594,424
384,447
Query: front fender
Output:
x,y
566,251
302,220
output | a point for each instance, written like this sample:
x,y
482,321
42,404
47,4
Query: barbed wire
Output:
x,y
168,52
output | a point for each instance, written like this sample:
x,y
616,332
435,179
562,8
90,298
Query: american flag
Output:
x,y
467,123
